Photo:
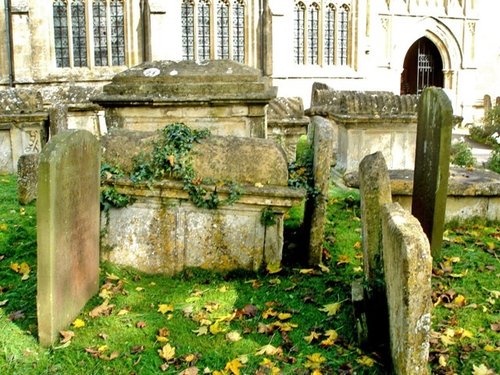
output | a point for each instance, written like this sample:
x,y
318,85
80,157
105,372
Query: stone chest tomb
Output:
x,y
223,96
163,231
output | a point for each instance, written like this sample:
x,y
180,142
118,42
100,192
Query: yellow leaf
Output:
x,y
489,348
481,370
269,312
459,300
312,336
112,277
307,271
102,348
78,323
284,316
216,328
331,308
167,352
357,245
203,330
223,289
162,339
330,341
365,361
233,336
268,350
446,340
332,333
343,259
139,289
66,336
324,268
316,372
273,267
464,333
234,366
163,308
122,312
442,361
190,358
314,361
105,294
3,227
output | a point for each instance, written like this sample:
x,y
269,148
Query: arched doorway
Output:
x,y
422,67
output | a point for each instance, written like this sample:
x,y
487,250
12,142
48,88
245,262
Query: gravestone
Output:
x,y
67,230
27,178
375,190
432,161
407,274
320,136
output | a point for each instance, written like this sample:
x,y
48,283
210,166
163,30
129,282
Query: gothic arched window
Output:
x,y
343,34
299,32
117,20
79,33
61,40
313,34
223,29
239,31
204,30
187,20
329,35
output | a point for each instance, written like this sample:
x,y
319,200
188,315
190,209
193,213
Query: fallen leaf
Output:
x,y
234,366
203,330
365,361
167,352
307,271
78,323
163,308
268,350
331,308
273,267
314,361
312,336
343,259
284,316
324,268
140,324
66,336
481,370
233,336
137,349
102,310
190,371
4,302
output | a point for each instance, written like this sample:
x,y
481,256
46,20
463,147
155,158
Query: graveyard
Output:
x,y
184,233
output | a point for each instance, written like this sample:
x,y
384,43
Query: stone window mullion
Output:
x,y
108,32
70,34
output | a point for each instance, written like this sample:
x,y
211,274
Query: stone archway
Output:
x,y
422,67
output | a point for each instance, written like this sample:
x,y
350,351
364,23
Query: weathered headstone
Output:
x,y
320,135
487,104
58,117
67,230
27,177
407,273
432,160
375,190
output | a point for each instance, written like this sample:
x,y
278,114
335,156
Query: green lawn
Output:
x,y
294,321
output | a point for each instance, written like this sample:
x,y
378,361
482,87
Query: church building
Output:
x,y
399,46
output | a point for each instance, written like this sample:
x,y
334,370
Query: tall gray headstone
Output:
x,y
375,190
67,230
407,274
432,161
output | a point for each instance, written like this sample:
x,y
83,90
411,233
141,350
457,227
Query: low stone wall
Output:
x,y
471,193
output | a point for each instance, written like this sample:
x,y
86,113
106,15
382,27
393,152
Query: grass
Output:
x,y
223,322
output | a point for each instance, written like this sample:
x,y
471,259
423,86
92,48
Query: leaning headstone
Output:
x,y
407,271
27,178
432,161
68,230
487,104
375,191
320,135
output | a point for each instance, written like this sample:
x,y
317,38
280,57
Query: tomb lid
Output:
x,y
20,101
187,81
248,161
376,104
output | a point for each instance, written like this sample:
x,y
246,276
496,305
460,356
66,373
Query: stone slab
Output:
x,y
27,178
67,230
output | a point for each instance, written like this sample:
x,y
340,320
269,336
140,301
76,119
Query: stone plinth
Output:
x,y
286,123
223,96
163,232
471,193
368,122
